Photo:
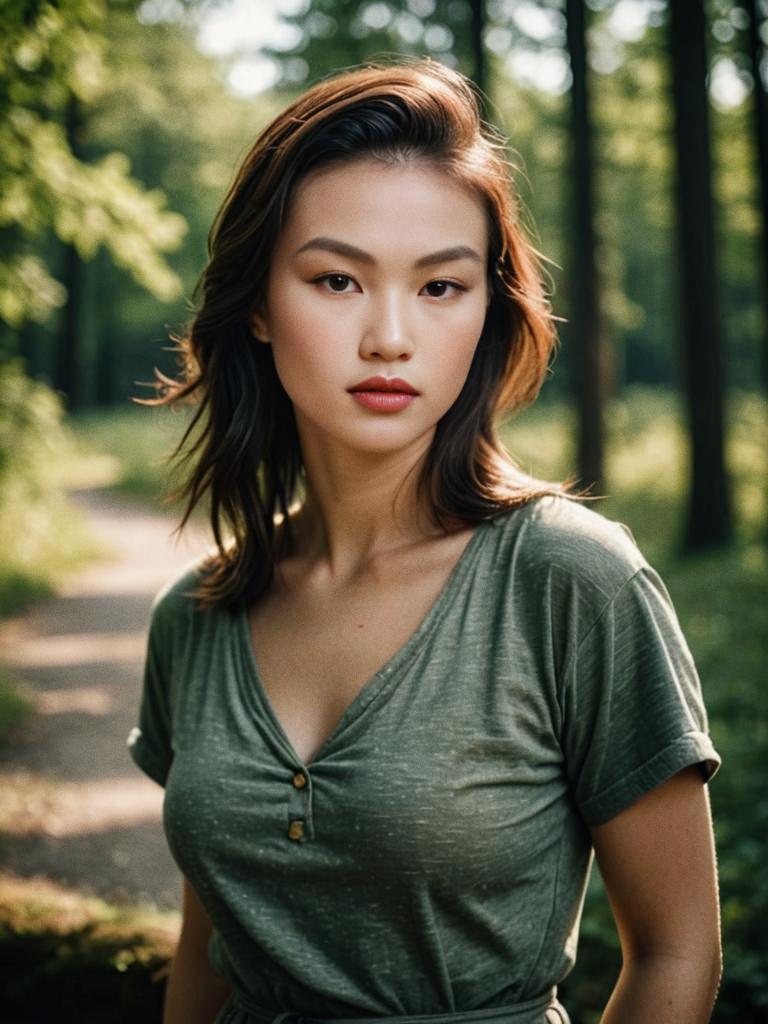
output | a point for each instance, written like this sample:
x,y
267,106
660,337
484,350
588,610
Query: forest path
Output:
x,y
73,807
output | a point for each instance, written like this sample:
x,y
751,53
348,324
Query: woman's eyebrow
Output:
x,y
454,252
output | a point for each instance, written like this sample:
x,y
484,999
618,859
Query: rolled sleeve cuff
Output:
x,y
150,762
689,749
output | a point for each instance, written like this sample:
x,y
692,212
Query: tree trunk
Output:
x,y
709,512
29,347
106,372
760,116
480,69
586,327
107,331
69,370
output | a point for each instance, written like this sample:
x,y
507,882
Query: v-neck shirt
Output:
x,y
391,669
433,856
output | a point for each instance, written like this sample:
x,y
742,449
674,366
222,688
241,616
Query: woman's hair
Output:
x,y
241,450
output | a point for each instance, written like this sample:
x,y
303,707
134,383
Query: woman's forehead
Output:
x,y
415,203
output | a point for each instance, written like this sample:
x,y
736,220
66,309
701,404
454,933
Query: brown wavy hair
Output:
x,y
241,450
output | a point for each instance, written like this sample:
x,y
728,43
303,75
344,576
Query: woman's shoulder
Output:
x,y
561,534
177,599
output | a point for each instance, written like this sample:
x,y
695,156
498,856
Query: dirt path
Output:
x,y
73,807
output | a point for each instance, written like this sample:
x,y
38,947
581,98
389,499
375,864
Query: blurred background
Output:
x,y
639,130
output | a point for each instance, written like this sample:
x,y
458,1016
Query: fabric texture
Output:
x,y
544,1010
433,857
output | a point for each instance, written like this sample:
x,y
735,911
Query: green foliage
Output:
x,y
184,134
44,539
722,603
723,606
77,961
139,441
15,707
146,92
51,71
337,33
634,163
88,205
79,977
27,290
721,600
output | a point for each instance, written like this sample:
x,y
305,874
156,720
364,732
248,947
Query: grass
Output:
x,y
647,462
127,449
74,959
15,707
722,601
44,538
50,543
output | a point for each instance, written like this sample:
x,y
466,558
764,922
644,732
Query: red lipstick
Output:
x,y
384,394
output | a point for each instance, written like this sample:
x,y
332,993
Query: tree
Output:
x,y
584,283
709,510
479,61
68,370
51,70
332,34
760,131
184,133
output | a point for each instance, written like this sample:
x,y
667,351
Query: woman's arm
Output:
x,y
195,992
657,859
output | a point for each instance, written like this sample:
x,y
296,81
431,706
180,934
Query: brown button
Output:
x,y
299,780
296,830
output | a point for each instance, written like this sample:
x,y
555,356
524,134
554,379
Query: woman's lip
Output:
x,y
384,401
384,384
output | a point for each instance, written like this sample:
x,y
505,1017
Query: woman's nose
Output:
x,y
387,335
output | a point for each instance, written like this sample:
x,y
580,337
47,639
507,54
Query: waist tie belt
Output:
x,y
534,1011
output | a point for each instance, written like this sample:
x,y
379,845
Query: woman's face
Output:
x,y
375,302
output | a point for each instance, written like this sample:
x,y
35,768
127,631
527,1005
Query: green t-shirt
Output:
x,y
433,856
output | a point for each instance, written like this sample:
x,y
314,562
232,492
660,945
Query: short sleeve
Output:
x,y
633,713
150,742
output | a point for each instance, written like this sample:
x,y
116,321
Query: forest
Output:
x,y
638,130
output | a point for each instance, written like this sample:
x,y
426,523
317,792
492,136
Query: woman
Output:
x,y
414,688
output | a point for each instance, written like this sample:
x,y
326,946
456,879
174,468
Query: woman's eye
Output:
x,y
439,289
336,282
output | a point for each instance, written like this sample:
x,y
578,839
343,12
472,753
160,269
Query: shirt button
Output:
x,y
299,780
296,830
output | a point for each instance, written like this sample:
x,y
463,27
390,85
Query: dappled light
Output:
x,y
121,126
32,805
76,649
91,700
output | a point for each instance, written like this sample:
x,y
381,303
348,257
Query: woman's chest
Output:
x,y
447,760
316,651
442,797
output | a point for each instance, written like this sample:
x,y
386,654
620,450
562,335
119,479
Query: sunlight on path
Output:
x,y
73,808
33,806
74,649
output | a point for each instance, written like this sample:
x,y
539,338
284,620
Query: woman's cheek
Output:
x,y
302,361
457,357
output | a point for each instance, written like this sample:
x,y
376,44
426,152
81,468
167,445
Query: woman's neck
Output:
x,y
359,506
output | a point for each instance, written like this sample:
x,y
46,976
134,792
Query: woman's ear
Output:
x,y
258,325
